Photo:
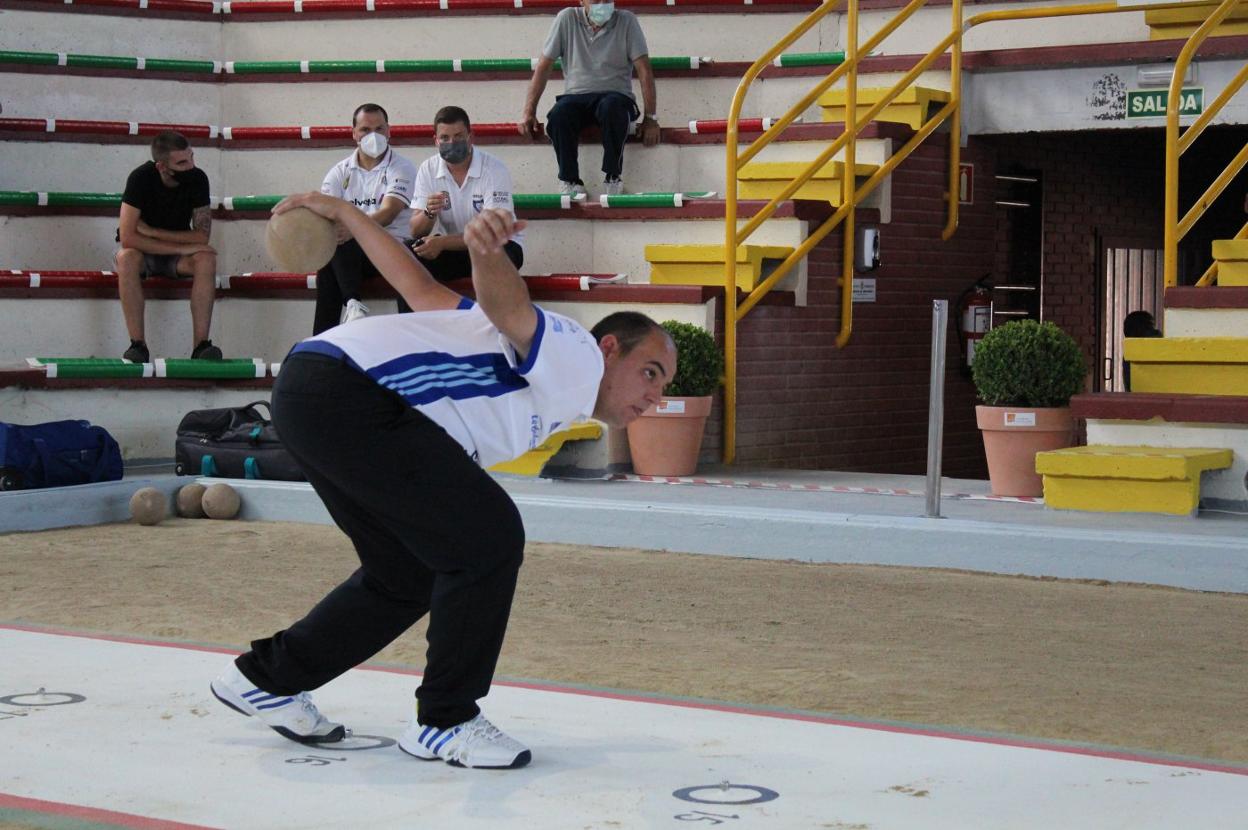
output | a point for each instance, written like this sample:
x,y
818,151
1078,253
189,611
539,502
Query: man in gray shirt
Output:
x,y
599,47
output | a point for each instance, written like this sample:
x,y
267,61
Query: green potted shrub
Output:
x,y
666,439
1025,372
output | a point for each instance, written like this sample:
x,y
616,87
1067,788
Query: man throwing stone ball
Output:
x,y
393,419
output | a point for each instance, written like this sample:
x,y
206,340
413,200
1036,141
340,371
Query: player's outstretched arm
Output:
x,y
500,289
421,291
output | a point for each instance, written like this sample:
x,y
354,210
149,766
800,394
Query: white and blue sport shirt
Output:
x,y
460,371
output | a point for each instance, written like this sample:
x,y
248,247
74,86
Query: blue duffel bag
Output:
x,y
56,454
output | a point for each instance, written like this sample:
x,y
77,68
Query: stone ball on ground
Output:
x,y
191,501
300,240
148,506
221,501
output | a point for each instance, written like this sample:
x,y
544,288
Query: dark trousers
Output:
x,y
339,281
433,531
613,112
454,265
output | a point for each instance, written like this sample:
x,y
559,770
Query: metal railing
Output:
x,y
734,312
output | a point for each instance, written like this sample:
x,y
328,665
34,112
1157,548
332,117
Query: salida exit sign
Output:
x,y
1151,103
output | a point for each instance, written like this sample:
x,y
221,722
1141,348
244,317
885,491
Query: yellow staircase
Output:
x,y
1168,24
1188,365
910,107
1127,479
532,462
765,180
704,264
1232,257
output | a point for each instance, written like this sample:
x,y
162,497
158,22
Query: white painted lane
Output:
x,y
131,727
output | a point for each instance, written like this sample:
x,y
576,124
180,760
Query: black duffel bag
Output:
x,y
233,442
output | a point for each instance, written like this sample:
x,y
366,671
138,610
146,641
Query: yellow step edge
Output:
x,y
1176,31
1228,249
1138,463
531,463
713,253
872,94
789,170
1195,13
1223,350
1218,379
1175,498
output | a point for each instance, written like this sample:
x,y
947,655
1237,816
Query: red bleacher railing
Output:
x,y
253,9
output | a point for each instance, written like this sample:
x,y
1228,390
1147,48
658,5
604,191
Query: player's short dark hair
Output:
x,y
369,108
452,115
629,328
166,142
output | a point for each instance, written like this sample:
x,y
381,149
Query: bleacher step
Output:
x,y
766,179
704,264
910,107
1232,257
1168,24
1188,365
1131,479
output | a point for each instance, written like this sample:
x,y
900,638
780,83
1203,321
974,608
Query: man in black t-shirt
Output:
x,y
166,218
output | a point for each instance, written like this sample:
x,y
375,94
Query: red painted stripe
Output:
x,y
418,130
188,130
254,133
345,132
112,817
24,125
263,7
808,717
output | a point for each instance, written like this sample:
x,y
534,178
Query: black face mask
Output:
x,y
182,176
454,152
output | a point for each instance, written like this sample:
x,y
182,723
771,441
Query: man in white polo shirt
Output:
x,y
379,182
393,419
451,189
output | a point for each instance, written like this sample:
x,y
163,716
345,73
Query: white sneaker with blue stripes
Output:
x,y
476,743
291,716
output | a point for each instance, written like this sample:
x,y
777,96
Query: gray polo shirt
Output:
x,y
599,61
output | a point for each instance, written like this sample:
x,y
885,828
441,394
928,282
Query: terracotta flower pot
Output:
x,y
1012,437
666,439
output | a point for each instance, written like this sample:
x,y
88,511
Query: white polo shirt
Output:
x,y
392,176
487,185
458,369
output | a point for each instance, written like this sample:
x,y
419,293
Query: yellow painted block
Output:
x,y
1178,498
1176,31
1232,272
531,463
1190,350
1139,463
704,264
909,107
765,180
1230,249
1232,257
1190,378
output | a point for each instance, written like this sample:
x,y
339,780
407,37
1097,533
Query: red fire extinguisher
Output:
x,y
974,318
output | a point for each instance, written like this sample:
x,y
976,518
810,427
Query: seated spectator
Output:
x,y
451,189
163,230
378,181
1136,324
599,47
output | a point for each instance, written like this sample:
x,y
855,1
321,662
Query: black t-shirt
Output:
x,y
167,208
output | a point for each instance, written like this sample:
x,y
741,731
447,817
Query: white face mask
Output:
x,y
600,13
374,145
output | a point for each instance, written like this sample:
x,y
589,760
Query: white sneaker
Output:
x,y
353,310
475,743
295,717
576,191
613,187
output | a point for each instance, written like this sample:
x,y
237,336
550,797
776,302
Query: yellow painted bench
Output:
x,y
1127,479
910,107
765,180
704,264
532,462
1188,365
1232,257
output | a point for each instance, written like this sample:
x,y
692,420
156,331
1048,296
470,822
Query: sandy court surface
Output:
x,y
1147,668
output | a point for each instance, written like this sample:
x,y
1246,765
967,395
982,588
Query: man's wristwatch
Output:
x,y
649,117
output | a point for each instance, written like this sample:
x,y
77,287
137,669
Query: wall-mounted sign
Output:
x,y
864,289
1151,103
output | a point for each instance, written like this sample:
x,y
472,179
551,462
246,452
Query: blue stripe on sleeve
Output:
x,y
531,357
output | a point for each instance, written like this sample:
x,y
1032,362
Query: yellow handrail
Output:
x,y
735,311
1175,146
